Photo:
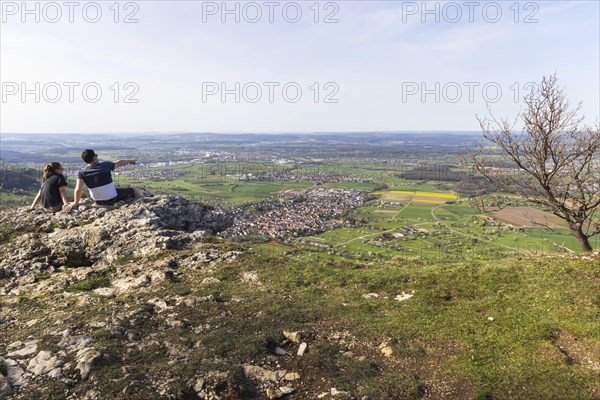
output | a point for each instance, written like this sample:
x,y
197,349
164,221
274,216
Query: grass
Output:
x,y
461,235
90,284
442,337
529,302
351,185
223,190
9,200
452,305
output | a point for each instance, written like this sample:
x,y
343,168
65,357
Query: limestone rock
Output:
x,y
251,277
206,387
14,345
278,393
72,343
211,279
291,376
371,296
85,358
105,292
194,301
199,385
405,295
92,395
302,349
295,337
387,351
31,323
14,373
274,393
159,304
129,283
286,389
91,233
336,393
45,363
5,388
28,349
262,374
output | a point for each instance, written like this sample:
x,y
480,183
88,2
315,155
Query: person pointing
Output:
x,y
97,176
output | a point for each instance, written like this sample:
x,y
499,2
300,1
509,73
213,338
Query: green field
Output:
x,y
452,230
216,190
10,200
456,231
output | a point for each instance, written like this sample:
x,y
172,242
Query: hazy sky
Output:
x,y
287,66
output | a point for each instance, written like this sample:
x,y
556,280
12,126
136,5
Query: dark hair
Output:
x,y
88,155
50,169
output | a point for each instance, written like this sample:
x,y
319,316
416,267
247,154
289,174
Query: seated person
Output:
x,y
98,178
52,192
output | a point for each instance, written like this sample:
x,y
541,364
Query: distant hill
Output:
x,y
67,147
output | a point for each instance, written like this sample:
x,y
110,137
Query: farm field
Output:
x,y
8,199
528,216
349,185
436,232
406,218
446,227
417,196
228,192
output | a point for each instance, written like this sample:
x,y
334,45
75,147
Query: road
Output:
x,y
378,233
473,237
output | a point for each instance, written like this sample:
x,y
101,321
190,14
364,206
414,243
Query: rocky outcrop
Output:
x,y
134,301
46,363
92,233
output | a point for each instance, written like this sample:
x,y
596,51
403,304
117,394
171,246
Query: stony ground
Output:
x,y
103,303
132,331
141,301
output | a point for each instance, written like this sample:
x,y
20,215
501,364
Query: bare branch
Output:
x,y
553,161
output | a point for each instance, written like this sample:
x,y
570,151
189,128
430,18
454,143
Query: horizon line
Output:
x,y
237,132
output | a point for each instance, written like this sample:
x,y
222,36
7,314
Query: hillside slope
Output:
x,y
141,301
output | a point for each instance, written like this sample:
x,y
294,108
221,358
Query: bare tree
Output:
x,y
553,161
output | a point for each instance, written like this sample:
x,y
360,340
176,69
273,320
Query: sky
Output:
x,y
282,66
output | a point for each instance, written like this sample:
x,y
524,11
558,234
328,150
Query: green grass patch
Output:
x,y
529,302
90,284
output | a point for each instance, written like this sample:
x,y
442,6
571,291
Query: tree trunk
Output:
x,y
584,242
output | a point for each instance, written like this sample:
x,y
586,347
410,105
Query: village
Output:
x,y
295,214
318,178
